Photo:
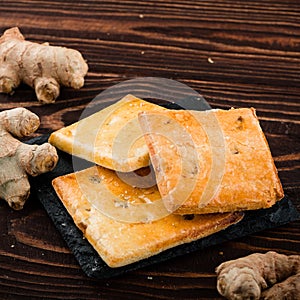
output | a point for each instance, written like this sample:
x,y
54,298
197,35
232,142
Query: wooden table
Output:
x,y
235,53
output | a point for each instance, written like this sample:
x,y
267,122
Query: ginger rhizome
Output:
x,y
18,159
40,66
260,276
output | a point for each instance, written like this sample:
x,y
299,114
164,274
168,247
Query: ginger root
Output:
x,y
246,277
40,66
18,159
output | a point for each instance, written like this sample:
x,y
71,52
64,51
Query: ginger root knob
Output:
x,y
40,66
18,159
245,278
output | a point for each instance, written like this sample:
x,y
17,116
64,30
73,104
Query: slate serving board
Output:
x,y
89,260
91,263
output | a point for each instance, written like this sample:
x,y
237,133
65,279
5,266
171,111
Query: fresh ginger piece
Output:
x,y
18,159
246,277
40,66
287,289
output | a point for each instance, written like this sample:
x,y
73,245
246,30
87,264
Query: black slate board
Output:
x,y
91,263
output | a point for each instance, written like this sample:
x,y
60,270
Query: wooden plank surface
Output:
x,y
235,53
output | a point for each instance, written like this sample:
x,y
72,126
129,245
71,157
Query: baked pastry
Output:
x,y
111,137
120,242
211,161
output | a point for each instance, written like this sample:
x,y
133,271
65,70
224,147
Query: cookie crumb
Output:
x,y
210,60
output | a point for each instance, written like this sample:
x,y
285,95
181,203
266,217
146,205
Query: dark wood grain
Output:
x,y
235,53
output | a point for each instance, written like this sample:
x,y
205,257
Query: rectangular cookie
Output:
x,y
211,161
90,197
111,137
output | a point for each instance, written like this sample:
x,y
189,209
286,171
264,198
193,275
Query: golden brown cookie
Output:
x,y
121,243
211,161
111,137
